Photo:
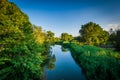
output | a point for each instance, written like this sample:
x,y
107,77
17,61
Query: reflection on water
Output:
x,y
61,66
64,49
50,65
48,62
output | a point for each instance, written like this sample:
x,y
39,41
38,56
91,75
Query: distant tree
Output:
x,y
39,35
66,37
118,40
104,37
50,37
93,34
50,34
71,37
112,36
57,39
78,38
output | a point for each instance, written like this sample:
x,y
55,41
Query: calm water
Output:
x,y
65,67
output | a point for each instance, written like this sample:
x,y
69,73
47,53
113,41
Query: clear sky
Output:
x,y
68,15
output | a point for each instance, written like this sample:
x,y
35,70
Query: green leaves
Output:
x,y
50,37
97,63
14,26
118,40
66,37
39,35
20,50
5,68
93,34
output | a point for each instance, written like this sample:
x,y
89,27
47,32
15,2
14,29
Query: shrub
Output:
x,y
97,63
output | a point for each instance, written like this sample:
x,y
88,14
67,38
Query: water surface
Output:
x,y
65,66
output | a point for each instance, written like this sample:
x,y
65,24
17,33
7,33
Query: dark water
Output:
x,y
65,66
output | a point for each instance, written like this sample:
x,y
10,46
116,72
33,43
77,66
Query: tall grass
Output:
x,y
97,63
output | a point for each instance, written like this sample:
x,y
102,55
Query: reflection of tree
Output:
x,y
64,49
50,64
48,61
53,58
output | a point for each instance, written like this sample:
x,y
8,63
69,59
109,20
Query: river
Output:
x,y
65,66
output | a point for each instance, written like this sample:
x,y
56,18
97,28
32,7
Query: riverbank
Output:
x,y
97,63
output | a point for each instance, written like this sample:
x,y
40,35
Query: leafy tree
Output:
x,y
14,26
39,35
93,34
112,36
118,40
50,37
21,53
57,39
104,37
66,37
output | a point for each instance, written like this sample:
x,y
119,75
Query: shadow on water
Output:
x,y
61,66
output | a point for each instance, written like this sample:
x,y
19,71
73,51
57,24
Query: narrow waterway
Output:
x,y
65,66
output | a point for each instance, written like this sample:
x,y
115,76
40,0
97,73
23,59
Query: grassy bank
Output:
x,y
97,63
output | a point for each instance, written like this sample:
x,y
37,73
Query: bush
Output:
x,y
97,63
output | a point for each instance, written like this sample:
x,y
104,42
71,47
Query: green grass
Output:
x,y
97,63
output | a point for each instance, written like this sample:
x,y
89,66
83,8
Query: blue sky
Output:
x,y
68,15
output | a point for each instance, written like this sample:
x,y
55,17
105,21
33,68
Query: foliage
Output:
x,y
66,37
39,35
50,37
57,39
118,40
22,68
93,34
21,51
78,39
26,66
97,63
14,26
112,36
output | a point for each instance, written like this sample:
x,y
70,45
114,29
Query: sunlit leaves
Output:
x,y
39,35
66,37
93,34
97,63
20,50
50,37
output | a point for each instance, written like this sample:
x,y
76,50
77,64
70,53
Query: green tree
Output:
x,y
93,34
20,51
50,37
118,40
104,37
39,35
14,26
66,37
57,39
112,36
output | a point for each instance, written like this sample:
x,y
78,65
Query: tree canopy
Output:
x,y
66,37
39,35
20,48
93,34
15,26
118,40
50,37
